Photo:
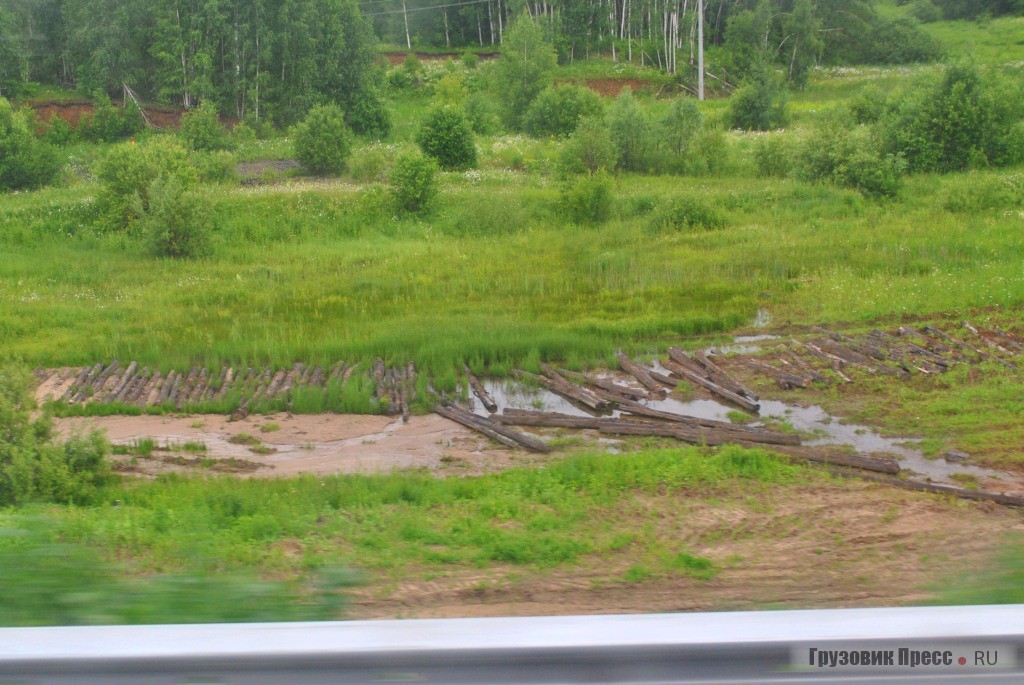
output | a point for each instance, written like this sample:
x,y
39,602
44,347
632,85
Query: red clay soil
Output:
x,y
73,111
611,87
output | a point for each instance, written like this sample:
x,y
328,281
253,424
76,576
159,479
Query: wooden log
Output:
x,y
962,493
784,379
121,382
214,389
525,417
410,376
714,389
614,388
667,381
186,387
132,384
967,346
165,388
75,384
152,391
574,391
857,359
804,367
316,379
480,391
984,336
836,363
493,430
85,390
1009,339
290,379
275,384
641,374
695,434
198,388
722,377
379,378
857,461
567,390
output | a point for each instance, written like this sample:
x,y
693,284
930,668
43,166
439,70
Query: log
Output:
x,y
75,384
186,388
966,346
129,374
495,431
857,461
379,373
604,389
836,363
714,389
921,486
641,374
524,417
86,386
985,336
165,388
784,379
567,390
1009,339
199,388
480,391
722,377
806,368
696,435
857,359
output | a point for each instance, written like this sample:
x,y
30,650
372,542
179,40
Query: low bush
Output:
x,y
128,170
630,130
372,163
413,181
587,200
177,222
849,155
980,193
760,104
25,161
558,110
590,149
322,140
447,137
34,465
201,129
215,167
773,155
108,123
685,212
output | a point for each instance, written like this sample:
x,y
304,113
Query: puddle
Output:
x,y
826,429
762,318
743,344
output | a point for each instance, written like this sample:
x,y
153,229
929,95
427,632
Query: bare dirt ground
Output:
x,y
848,545
315,444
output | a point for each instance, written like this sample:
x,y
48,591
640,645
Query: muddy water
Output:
x,y
824,428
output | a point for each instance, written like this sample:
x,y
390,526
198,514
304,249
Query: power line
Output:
x,y
424,9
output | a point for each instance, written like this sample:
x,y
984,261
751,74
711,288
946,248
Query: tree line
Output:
x,y
260,60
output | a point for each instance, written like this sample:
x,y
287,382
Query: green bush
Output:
x,y
631,132
849,155
589,149
677,131
710,153
215,167
368,116
413,181
684,213
201,129
587,200
34,466
177,222
558,110
128,170
773,156
964,119
524,70
760,104
322,140
976,193
59,132
868,105
447,137
483,115
25,161
924,11
243,134
108,123
470,60
901,41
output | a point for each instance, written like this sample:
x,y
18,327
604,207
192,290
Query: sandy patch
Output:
x,y
316,444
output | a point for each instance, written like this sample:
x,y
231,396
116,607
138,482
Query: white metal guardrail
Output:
x,y
903,645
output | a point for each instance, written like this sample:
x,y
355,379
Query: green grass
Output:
x,y
386,527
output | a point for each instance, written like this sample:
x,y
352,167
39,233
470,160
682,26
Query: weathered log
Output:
x,y
379,378
502,434
85,390
1009,339
186,387
121,383
857,461
316,379
131,384
964,345
480,391
199,388
166,386
75,384
667,381
641,374
695,434
784,379
541,418
857,359
713,388
571,392
963,493
722,377
986,337
804,367
152,391
410,377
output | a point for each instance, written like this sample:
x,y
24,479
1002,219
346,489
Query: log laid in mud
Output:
x,y
697,435
491,429
720,376
713,388
642,375
525,417
886,465
480,391
962,493
567,390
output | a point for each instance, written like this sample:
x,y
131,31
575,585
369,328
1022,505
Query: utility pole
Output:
x,y
405,14
700,50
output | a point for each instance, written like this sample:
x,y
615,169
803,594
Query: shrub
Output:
x,y
368,116
685,212
710,153
901,41
33,465
760,104
483,115
587,200
449,91
868,105
215,167
243,134
773,156
322,140
677,130
108,123
850,156
558,110
974,193
447,137
470,60
201,129
413,181
178,222
924,11
128,170
589,149
59,132
962,120
631,132
25,161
